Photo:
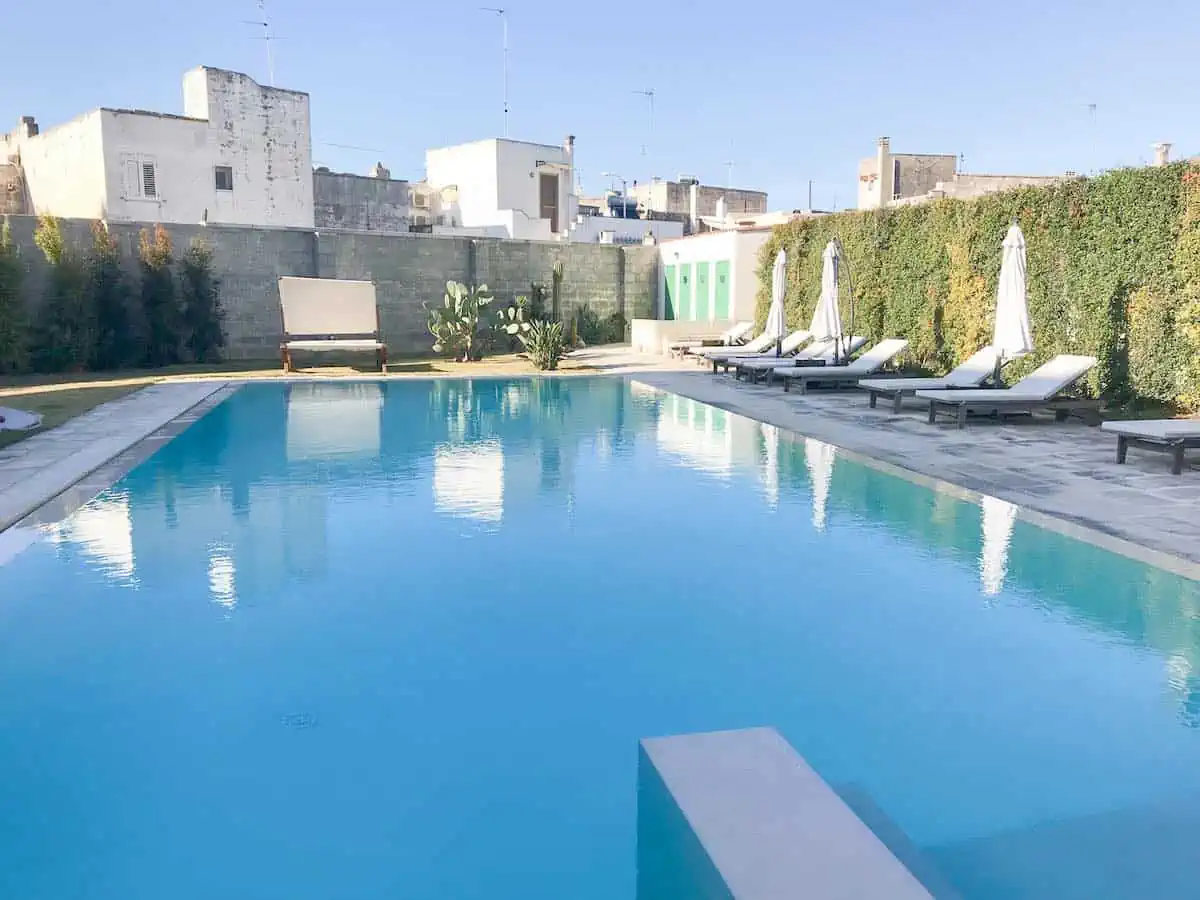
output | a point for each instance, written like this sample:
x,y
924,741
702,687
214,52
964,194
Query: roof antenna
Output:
x,y
267,37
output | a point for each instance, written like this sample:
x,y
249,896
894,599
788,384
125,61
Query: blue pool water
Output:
x,y
400,640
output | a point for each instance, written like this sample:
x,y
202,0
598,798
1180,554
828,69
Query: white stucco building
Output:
x,y
501,188
241,153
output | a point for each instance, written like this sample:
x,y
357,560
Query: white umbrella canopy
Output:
x,y
827,319
1013,336
777,317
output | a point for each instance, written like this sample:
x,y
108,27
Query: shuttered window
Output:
x,y
149,180
139,177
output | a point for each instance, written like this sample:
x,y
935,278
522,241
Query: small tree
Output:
x,y
202,313
13,324
111,298
160,302
66,323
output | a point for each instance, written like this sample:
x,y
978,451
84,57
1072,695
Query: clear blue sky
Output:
x,y
789,91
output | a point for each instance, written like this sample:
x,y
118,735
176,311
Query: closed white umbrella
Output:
x,y
999,516
827,319
1013,336
777,318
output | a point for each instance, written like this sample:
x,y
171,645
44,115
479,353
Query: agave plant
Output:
x,y
544,343
455,324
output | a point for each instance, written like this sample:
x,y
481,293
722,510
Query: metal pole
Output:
x,y
504,65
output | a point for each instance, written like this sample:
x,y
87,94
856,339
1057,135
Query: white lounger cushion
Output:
x,y
350,344
822,350
969,373
327,306
1041,384
1156,429
871,361
759,344
788,346
726,337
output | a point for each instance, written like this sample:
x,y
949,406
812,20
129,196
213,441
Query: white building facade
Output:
x,y
241,154
502,188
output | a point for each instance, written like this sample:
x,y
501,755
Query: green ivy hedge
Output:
x,y
1113,271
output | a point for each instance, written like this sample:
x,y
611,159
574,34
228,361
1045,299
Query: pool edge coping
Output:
x,y
74,491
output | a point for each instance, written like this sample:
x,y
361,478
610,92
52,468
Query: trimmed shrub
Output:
x,y
111,297
65,328
14,355
203,316
160,301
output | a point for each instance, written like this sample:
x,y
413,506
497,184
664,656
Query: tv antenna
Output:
x,y
649,95
268,37
504,65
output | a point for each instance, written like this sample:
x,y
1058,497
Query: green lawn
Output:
x,y
58,404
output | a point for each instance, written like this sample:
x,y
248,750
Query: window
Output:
x,y
895,179
224,176
140,177
149,181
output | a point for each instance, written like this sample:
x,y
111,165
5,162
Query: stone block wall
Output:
x,y
408,270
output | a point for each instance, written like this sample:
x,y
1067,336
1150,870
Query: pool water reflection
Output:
x,y
476,596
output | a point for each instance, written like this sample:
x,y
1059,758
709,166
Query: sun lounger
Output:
x,y
728,338
1171,436
816,353
325,314
788,346
18,419
757,345
840,376
1040,389
971,373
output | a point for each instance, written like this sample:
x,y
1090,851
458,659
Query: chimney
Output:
x,y
883,160
379,170
1162,153
28,127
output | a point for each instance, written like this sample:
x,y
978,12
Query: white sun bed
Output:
x,y
1040,389
1171,436
816,353
840,376
727,338
787,347
18,419
757,345
970,373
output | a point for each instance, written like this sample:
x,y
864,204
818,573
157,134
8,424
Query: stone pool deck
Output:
x,y
46,465
1062,475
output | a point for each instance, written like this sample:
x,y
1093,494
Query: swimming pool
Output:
x,y
400,639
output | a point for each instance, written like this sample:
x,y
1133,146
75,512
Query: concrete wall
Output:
x,y
360,203
673,197
64,167
408,269
623,231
